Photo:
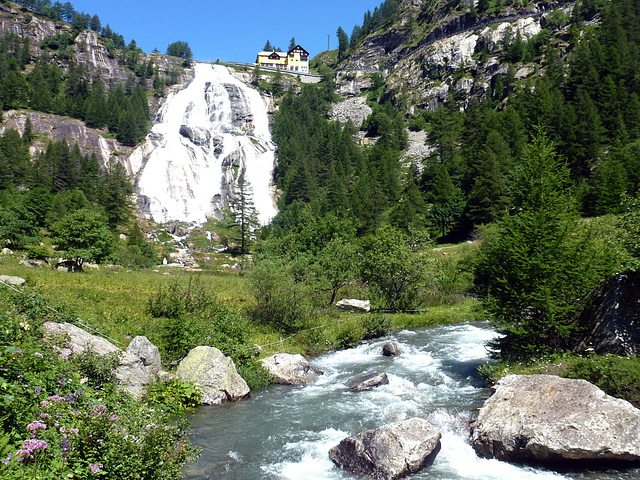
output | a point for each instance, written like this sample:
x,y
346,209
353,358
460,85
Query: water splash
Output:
x,y
205,134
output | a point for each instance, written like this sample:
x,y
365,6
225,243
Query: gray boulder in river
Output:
x,y
215,374
546,419
290,369
368,381
389,452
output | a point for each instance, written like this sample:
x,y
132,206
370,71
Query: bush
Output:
x,y
254,374
173,396
375,325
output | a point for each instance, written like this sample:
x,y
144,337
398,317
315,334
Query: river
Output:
x,y
285,433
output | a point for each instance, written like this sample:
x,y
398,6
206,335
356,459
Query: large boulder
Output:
x,y
79,340
368,381
354,305
146,351
389,452
612,321
547,419
215,374
133,372
290,369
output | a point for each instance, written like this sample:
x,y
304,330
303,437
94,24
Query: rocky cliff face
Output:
x,y
431,53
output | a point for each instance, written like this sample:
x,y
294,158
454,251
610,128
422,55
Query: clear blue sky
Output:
x,y
232,30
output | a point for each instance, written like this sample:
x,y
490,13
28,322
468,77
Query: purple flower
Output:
x,y
33,427
44,415
56,398
6,462
39,355
29,446
114,418
64,356
99,410
95,468
65,444
37,390
74,431
16,352
44,403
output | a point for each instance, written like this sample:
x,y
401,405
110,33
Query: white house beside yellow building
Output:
x,y
295,60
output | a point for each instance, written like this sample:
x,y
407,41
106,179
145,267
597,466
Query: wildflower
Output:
x,y
37,390
16,352
95,468
56,398
39,355
44,403
114,418
63,356
6,462
44,415
74,431
33,427
29,446
99,409
25,326
65,444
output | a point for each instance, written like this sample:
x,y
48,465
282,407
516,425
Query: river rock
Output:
x,y
368,381
11,280
389,452
147,352
546,419
215,374
354,305
390,349
290,369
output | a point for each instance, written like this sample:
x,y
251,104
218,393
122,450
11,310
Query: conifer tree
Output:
x,y
242,216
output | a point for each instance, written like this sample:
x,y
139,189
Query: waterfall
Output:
x,y
204,136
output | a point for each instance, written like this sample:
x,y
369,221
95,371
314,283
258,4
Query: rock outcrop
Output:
x,y
389,452
368,381
546,419
290,369
134,372
215,374
612,321
354,109
354,305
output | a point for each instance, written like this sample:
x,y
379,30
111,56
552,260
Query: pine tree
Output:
x,y
536,268
242,216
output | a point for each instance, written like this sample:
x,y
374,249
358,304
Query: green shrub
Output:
x,y
375,325
349,334
97,369
174,395
254,374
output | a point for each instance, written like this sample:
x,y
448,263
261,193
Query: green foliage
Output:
x,y
173,396
83,236
280,300
538,265
375,325
58,425
99,370
391,269
254,374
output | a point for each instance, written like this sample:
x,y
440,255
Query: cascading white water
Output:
x,y
285,433
204,135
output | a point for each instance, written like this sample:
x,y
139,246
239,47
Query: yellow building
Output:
x,y
295,60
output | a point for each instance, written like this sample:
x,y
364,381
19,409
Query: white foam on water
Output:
x,y
312,460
